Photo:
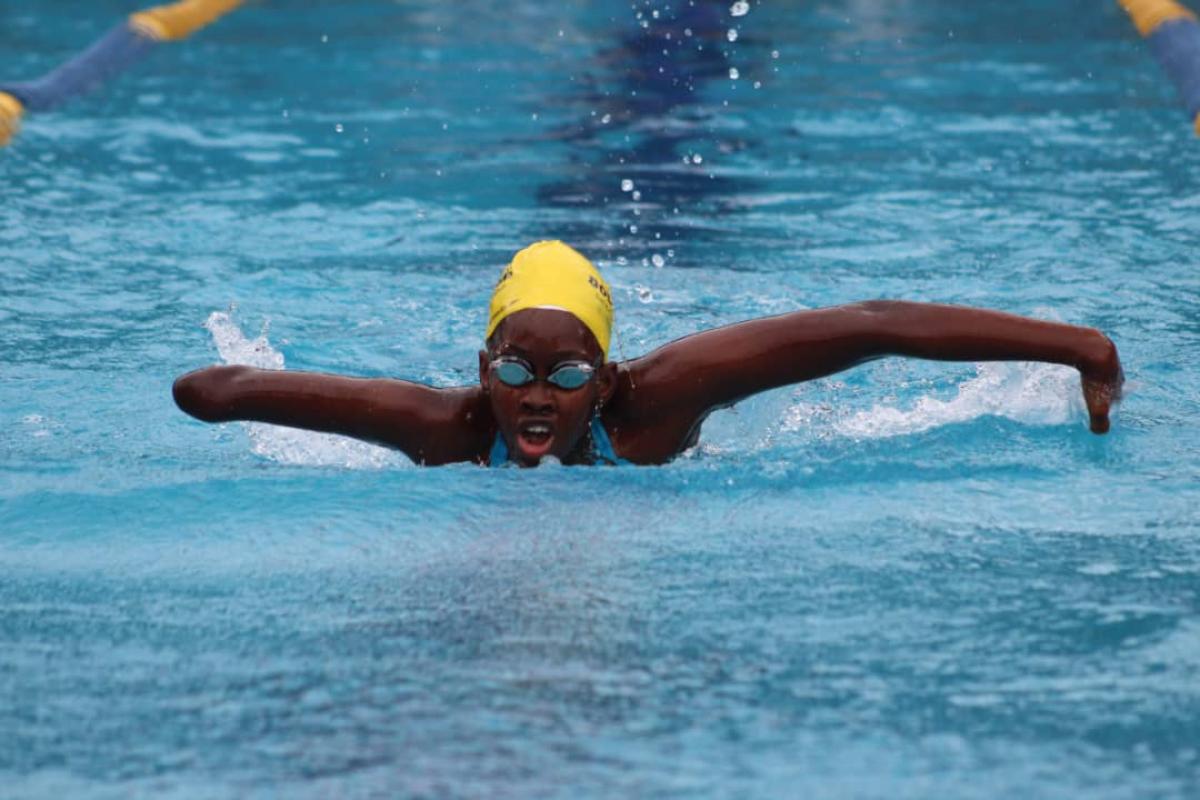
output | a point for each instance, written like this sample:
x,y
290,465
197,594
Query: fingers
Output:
x,y
1098,395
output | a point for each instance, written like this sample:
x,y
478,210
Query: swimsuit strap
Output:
x,y
498,457
602,446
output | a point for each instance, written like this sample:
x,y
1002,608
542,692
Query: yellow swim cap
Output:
x,y
553,275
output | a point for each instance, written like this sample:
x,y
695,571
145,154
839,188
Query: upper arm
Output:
x,y
430,425
721,366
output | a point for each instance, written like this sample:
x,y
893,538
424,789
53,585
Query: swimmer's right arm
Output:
x,y
432,426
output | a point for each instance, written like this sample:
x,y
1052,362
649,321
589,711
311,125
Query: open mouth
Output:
x,y
535,439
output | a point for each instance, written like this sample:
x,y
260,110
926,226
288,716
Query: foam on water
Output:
x,y
290,445
1046,394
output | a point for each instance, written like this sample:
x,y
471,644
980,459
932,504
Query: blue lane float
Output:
x,y
121,47
1174,37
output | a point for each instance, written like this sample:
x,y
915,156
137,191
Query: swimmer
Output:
x,y
546,387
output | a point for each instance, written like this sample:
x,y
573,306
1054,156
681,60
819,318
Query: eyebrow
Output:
x,y
557,358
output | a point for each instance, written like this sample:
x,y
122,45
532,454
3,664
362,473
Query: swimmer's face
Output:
x,y
540,419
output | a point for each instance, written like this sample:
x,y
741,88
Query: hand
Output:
x,y
1102,379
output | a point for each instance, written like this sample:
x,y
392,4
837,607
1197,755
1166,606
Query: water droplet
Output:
x,y
657,260
739,9
731,34
734,74
626,185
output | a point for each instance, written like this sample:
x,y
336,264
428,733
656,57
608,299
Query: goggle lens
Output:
x,y
570,376
513,372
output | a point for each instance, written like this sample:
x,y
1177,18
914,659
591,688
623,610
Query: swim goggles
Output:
x,y
568,375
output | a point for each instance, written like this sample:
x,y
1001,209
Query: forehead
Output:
x,y
546,332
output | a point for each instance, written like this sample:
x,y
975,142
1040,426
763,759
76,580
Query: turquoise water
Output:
x,y
909,580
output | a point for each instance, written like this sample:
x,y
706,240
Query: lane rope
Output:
x,y
120,48
1173,33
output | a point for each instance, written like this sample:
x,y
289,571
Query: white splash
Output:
x,y
290,445
1046,394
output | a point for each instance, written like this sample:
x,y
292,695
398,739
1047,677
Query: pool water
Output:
x,y
908,580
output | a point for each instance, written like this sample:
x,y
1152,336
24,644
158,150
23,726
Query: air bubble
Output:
x,y
626,185
339,127
657,260
731,34
636,195
734,74
739,9
697,158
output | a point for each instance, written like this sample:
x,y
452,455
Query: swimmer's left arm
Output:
x,y
719,367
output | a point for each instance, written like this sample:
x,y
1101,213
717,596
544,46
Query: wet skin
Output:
x,y
653,406
540,419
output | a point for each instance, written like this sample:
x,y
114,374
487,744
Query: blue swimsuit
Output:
x,y
602,448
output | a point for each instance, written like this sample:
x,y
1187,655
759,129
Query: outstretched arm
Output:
x,y
694,375
432,426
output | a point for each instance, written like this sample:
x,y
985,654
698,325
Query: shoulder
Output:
x,y
647,420
456,425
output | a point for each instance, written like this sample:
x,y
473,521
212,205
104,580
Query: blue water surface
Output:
x,y
908,580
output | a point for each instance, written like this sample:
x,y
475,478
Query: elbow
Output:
x,y
206,394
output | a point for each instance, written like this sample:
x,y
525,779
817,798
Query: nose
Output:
x,y
537,400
